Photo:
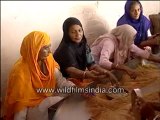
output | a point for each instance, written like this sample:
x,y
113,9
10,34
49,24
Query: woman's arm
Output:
x,y
153,40
132,73
108,74
106,53
150,42
61,81
144,54
136,51
154,58
80,74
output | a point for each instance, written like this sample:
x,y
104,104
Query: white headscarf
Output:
x,y
123,37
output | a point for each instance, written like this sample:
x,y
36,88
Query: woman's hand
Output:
x,y
154,58
132,73
94,75
112,77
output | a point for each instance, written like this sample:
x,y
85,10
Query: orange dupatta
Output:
x,y
26,76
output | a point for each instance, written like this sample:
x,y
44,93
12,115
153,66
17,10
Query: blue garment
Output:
x,y
141,25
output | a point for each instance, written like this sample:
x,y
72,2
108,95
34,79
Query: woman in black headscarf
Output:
x,y
74,55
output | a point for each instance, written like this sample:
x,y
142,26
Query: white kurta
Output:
x,y
40,112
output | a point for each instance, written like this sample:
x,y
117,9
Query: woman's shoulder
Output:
x,y
64,50
122,20
146,22
146,19
64,47
19,67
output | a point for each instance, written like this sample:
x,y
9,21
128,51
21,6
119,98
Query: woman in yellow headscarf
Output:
x,y
35,70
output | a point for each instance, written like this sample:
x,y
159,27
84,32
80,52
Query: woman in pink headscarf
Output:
x,y
112,50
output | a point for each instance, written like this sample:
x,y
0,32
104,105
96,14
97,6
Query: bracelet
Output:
x,y
84,74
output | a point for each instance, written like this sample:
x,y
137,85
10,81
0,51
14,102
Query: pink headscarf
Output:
x,y
123,37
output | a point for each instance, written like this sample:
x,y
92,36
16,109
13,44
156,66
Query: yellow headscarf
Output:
x,y
26,75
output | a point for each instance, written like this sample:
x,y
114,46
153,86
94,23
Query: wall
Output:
x,y
18,18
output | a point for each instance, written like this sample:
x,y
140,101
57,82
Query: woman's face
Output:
x,y
135,11
44,52
76,33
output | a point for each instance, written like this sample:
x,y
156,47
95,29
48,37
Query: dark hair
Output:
x,y
69,22
66,25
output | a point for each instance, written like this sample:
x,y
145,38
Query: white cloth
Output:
x,y
40,112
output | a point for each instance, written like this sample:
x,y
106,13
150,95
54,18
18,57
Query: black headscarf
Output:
x,y
69,53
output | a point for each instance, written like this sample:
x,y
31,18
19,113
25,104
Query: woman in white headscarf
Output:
x,y
112,50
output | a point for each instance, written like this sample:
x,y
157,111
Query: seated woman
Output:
x,y
142,109
134,16
113,49
35,72
74,55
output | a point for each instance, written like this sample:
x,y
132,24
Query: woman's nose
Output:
x,y
78,34
136,12
49,50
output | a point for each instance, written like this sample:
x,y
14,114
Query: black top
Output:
x,y
71,54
